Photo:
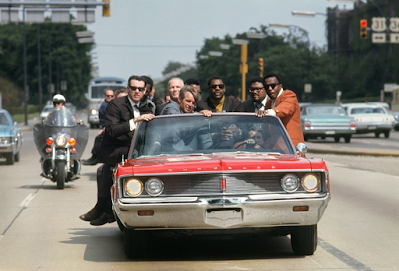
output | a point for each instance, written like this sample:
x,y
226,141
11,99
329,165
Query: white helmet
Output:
x,y
58,98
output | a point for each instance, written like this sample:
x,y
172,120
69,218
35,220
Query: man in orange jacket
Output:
x,y
283,103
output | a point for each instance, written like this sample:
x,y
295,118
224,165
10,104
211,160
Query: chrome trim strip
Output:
x,y
158,200
224,172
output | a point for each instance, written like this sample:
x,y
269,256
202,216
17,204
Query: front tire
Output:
x,y
136,243
16,157
60,174
304,239
10,159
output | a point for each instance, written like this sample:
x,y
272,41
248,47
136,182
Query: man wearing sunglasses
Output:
x,y
217,100
258,96
121,117
283,103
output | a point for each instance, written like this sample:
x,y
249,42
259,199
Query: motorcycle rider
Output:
x,y
60,142
58,100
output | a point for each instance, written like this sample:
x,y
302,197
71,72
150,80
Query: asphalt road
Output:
x,y
40,228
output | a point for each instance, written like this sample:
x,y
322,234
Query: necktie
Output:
x,y
258,105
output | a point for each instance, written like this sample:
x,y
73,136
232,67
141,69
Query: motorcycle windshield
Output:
x,y
61,117
61,122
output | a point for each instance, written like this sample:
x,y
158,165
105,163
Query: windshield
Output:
x,y
4,120
61,117
97,92
325,110
368,110
196,134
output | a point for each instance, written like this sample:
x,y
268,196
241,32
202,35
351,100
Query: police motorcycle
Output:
x,y
60,141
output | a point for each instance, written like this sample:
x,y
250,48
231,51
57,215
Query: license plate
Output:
x,y
330,132
372,127
224,218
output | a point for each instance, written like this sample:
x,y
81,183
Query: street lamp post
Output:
x,y
290,26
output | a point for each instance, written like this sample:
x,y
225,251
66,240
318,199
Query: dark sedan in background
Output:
x,y
326,120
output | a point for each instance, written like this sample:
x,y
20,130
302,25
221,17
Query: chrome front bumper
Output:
x,y
228,212
7,148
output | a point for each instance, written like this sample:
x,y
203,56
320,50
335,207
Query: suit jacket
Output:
x,y
117,135
171,108
288,110
247,106
230,104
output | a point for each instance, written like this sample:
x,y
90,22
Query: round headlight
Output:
x,y
133,187
310,182
60,141
154,187
290,183
94,112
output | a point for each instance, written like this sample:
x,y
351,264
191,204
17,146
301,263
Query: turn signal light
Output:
x,y
49,141
300,208
73,150
48,150
72,141
145,212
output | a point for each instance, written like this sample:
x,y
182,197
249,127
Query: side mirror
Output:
x,y
301,149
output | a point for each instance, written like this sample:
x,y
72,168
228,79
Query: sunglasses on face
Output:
x,y
137,88
221,86
271,85
110,96
255,89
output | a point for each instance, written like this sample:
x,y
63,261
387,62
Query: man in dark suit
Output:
x,y
121,117
151,94
258,96
217,100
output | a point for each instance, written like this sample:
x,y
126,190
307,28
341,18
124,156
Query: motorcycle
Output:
x,y
60,141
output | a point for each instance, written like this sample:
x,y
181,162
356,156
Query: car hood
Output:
x,y
6,130
224,162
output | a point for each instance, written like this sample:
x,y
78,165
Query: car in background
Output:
x,y
46,110
184,177
92,118
326,120
370,118
10,138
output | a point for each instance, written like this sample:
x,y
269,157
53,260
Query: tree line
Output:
x,y
56,49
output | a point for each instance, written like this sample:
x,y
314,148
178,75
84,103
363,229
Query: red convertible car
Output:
x,y
226,174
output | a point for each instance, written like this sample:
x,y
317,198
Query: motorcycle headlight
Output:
x,y
94,112
154,187
60,141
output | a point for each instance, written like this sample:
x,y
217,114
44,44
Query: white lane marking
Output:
x,y
27,200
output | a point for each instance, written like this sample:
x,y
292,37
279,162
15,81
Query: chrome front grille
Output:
x,y
211,184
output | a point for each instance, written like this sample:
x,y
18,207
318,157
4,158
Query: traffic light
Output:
x,y
107,8
260,66
363,29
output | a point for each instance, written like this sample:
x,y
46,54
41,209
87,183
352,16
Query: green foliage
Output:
x,y
11,95
61,57
287,55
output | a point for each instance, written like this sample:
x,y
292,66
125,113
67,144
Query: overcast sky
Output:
x,y
142,36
